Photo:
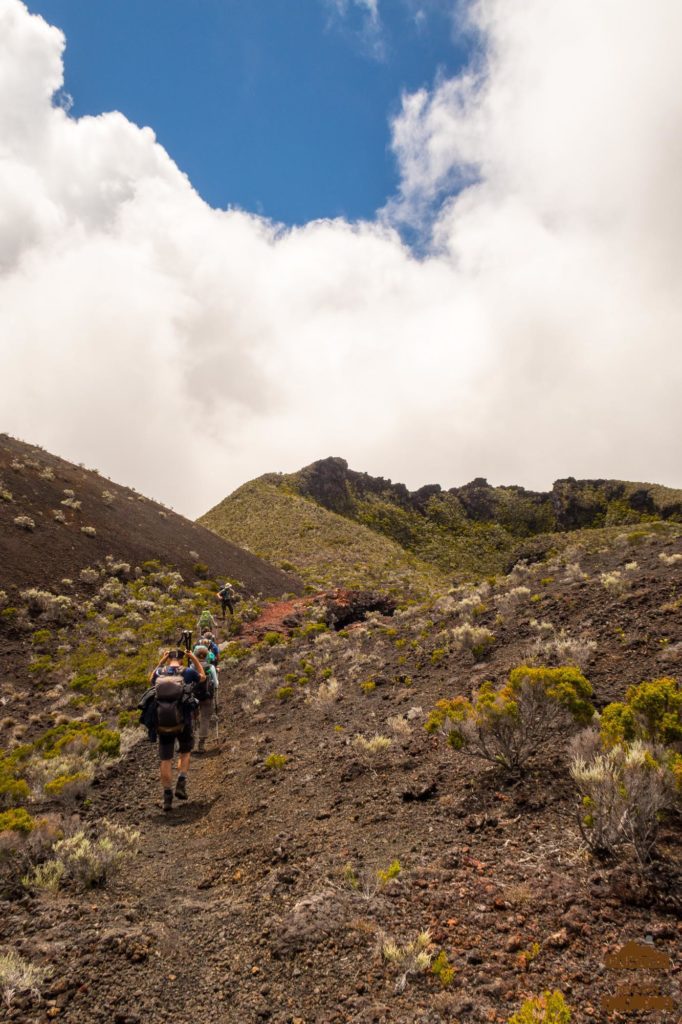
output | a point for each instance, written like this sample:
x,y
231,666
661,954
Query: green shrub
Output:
x,y
19,975
86,862
508,725
25,523
285,693
313,628
549,1008
43,665
272,639
275,761
126,719
476,639
388,874
13,790
236,650
97,740
652,712
41,637
17,819
368,686
443,969
66,787
408,958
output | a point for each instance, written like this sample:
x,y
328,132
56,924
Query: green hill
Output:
x,y
332,524
324,548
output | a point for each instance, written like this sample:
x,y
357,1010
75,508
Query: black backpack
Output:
x,y
205,690
169,690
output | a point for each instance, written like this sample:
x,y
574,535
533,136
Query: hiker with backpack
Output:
x,y
168,709
206,623
206,692
228,598
210,641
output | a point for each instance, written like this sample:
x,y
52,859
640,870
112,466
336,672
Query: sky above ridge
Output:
x,y
442,240
278,107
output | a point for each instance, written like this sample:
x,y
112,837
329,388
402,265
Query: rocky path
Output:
x,y
234,910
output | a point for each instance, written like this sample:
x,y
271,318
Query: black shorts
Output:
x,y
184,740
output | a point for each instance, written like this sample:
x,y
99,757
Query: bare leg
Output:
x,y
167,774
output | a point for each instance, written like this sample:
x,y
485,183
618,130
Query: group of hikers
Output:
x,y
183,694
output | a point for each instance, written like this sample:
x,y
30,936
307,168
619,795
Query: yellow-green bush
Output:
x,y
127,719
443,969
275,761
17,819
67,785
13,790
272,639
509,724
97,740
549,1008
652,711
386,875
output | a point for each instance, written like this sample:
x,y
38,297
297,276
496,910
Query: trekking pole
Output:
x,y
217,719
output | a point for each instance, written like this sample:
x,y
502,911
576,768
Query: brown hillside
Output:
x,y
128,526
274,893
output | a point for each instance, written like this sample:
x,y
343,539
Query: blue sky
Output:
x,y
281,107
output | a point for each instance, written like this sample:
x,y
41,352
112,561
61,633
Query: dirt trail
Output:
x,y
274,618
234,910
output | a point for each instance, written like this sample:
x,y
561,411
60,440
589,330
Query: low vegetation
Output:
x,y
509,724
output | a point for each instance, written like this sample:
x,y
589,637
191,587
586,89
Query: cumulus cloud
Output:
x,y
186,349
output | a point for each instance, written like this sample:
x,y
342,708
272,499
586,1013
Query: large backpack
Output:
x,y
205,690
169,690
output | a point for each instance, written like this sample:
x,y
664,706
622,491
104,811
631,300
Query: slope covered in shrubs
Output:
x,y
339,860
324,548
464,532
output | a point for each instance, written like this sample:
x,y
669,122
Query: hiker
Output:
x,y
168,710
228,596
206,693
206,623
210,641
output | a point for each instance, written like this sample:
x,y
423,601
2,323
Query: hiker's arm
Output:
x,y
158,667
197,665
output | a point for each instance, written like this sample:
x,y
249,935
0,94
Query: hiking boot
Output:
x,y
167,799
181,788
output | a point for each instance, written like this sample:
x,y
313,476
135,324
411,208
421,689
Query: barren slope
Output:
x,y
127,525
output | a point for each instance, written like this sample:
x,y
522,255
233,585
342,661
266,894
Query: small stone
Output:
x,y
558,940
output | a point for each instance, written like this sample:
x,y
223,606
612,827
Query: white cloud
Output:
x,y
185,349
369,34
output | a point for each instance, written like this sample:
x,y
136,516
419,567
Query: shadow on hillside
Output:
x,y
185,814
